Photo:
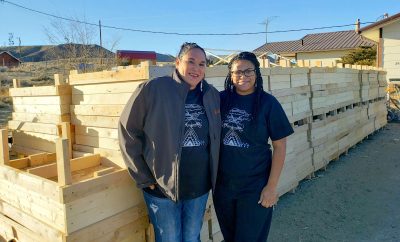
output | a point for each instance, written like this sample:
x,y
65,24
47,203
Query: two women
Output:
x,y
170,135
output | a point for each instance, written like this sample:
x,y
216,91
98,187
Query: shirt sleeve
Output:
x,y
278,123
131,138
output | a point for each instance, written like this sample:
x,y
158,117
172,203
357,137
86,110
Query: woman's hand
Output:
x,y
268,197
152,187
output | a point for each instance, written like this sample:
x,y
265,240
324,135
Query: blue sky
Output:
x,y
189,17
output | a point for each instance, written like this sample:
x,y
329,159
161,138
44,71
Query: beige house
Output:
x,y
387,34
326,47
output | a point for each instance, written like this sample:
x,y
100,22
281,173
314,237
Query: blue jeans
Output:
x,y
176,221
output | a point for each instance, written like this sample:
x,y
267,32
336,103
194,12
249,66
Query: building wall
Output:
x,y
327,57
372,34
391,50
7,60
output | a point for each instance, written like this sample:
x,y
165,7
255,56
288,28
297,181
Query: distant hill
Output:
x,y
51,52
165,58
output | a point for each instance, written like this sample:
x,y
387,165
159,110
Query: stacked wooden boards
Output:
x,y
36,113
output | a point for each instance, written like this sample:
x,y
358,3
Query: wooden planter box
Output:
x,y
50,197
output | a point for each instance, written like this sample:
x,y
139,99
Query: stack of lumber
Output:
x,y
369,85
334,101
291,87
97,102
36,113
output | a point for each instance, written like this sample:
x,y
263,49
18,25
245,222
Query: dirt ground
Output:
x,y
356,199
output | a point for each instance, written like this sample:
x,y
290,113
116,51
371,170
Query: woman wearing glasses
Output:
x,y
249,171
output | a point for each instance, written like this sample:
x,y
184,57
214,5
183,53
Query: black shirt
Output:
x,y
246,156
194,168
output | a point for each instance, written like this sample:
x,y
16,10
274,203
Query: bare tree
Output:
x,y
74,44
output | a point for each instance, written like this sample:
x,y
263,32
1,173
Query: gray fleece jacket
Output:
x,y
151,130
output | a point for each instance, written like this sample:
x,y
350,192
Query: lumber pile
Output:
x,y
291,87
334,94
36,113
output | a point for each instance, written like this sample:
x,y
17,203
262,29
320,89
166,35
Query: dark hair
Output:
x,y
230,88
186,47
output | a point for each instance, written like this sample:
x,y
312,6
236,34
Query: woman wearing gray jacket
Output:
x,y
169,135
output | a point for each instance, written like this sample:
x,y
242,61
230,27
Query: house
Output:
x,y
134,57
326,47
386,33
8,60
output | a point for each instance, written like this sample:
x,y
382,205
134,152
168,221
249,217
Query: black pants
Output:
x,y
240,216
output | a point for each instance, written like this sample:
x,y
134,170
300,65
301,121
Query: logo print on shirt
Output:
x,y
234,121
192,120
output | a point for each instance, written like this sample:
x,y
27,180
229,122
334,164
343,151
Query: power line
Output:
x,y
176,33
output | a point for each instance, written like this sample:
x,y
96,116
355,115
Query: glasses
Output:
x,y
247,73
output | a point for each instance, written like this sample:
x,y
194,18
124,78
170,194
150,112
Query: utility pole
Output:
x,y
101,44
19,46
266,23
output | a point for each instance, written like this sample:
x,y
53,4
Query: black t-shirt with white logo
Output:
x,y
194,167
246,156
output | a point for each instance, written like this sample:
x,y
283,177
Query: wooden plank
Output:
x,y
38,141
66,134
19,163
119,87
16,83
50,170
63,162
124,75
44,231
95,231
45,188
25,150
59,79
96,132
112,200
42,109
41,91
100,142
41,118
103,172
33,127
95,121
97,110
41,159
108,157
98,185
101,99
42,100
16,232
4,151
32,195
133,232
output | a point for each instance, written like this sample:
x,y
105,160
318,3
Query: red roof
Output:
x,y
133,54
